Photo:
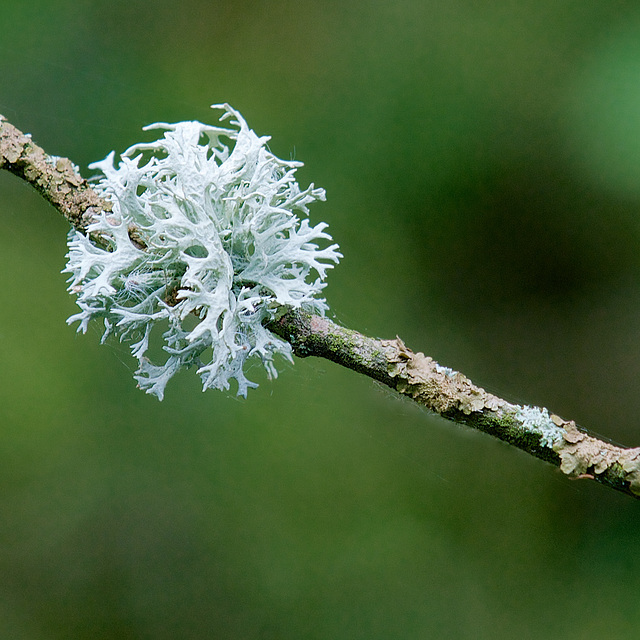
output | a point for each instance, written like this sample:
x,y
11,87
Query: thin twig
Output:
x,y
56,179
440,389
453,396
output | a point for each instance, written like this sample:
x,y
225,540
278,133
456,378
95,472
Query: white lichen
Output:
x,y
447,371
536,420
204,244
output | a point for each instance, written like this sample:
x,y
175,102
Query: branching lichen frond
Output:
x,y
206,239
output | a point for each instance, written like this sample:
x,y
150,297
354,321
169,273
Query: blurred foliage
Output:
x,y
481,161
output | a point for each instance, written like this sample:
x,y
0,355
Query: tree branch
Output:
x,y
454,397
56,179
440,389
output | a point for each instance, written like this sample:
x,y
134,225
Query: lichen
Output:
x,y
207,239
441,389
584,456
536,420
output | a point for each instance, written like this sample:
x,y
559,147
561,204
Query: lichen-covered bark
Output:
x,y
56,179
583,456
453,396
313,335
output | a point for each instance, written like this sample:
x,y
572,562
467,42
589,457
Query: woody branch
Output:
x,y
448,393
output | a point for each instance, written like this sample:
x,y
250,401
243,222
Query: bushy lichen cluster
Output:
x,y
204,245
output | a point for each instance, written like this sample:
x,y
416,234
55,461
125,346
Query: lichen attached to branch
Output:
x,y
207,238
442,390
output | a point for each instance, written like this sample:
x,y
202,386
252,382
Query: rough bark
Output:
x,y
454,397
56,179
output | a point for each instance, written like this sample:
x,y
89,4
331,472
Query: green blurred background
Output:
x,y
482,163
